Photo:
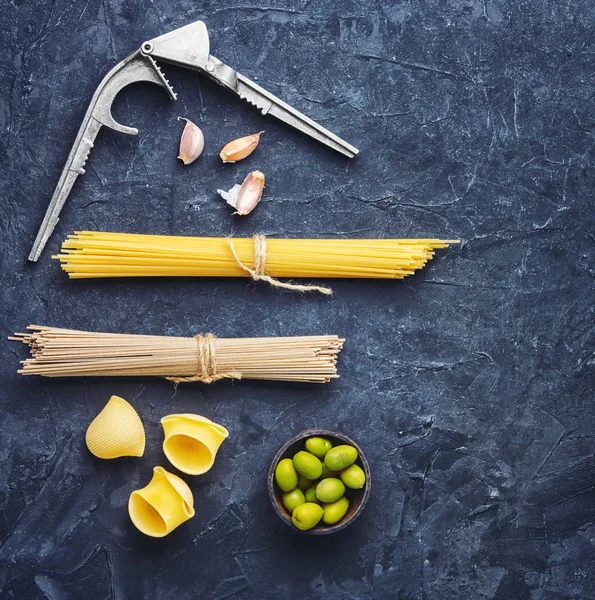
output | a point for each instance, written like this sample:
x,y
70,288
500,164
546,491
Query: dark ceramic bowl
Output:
x,y
357,498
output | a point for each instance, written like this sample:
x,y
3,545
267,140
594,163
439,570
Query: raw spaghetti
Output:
x,y
88,254
70,353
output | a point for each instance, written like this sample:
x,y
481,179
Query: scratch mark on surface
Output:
x,y
485,10
408,65
108,29
457,198
481,510
504,121
83,11
274,424
516,110
262,9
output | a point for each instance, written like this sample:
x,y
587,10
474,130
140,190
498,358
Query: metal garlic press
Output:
x,y
185,47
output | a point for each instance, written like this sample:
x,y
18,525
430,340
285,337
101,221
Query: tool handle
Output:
x,y
73,168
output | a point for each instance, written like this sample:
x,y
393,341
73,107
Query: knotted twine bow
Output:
x,y
206,363
258,273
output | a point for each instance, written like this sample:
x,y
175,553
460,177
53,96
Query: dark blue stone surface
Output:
x,y
469,385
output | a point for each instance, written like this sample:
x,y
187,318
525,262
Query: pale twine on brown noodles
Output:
x,y
258,273
206,363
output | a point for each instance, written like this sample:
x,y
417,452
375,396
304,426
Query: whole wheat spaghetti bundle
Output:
x,y
89,254
70,353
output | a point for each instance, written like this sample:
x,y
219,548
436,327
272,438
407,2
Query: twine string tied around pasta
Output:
x,y
206,363
258,272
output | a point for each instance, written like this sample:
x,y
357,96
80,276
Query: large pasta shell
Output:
x,y
191,442
116,431
161,506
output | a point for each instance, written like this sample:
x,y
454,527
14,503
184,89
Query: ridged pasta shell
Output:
x,y
191,442
161,506
116,431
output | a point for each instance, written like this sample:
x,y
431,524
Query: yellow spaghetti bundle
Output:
x,y
70,353
89,254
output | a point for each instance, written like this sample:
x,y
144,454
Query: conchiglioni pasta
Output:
x,y
191,442
161,506
116,431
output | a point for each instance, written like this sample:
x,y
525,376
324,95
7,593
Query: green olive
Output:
x,y
307,515
304,483
310,494
318,446
326,472
333,512
307,464
293,499
353,477
340,457
329,490
286,475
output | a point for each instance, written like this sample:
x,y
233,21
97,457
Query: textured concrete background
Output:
x,y
469,385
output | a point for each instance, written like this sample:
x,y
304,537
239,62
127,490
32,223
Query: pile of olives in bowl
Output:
x,y
319,481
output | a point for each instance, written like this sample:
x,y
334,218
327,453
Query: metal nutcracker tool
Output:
x,y
186,47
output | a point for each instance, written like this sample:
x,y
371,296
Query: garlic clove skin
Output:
x,y
245,197
230,197
240,148
192,142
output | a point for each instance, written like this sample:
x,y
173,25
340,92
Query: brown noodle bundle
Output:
x,y
69,353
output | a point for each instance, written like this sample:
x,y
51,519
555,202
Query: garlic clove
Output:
x,y
240,148
250,193
192,142
245,197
